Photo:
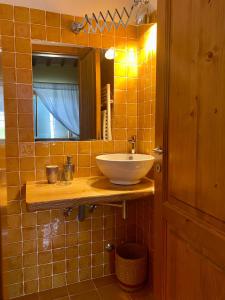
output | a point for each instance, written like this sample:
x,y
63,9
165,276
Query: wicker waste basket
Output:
x,y
131,266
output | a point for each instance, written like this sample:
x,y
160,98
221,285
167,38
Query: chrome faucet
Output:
x,y
132,141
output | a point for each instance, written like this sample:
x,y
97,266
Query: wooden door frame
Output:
x,y
161,139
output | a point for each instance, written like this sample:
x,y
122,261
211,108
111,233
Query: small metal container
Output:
x,y
68,169
52,172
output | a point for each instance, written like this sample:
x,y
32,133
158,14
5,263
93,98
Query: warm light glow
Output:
x,y
132,65
131,56
151,40
110,53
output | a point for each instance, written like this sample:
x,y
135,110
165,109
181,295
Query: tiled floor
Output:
x,y
105,288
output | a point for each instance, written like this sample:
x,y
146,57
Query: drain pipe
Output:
x,y
122,205
82,210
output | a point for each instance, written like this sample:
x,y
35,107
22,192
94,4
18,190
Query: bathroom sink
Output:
x,y
123,168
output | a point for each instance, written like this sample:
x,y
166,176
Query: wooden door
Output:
x,y
190,204
90,96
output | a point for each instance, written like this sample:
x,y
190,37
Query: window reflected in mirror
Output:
x,y
72,93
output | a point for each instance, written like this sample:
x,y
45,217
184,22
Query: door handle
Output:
x,y
158,150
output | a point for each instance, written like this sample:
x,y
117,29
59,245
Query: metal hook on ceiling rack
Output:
x,y
101,22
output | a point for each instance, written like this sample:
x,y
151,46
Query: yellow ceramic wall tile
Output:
x,y
57,160
12,263
6,11
37,16
8,59
9,75
42,162
58,242
27,164
7,27
84,237
24,91
108,147
14,249
97,259
59,280
119,134
44,257
11,121
25,106
52,19
14,221
14,235
72,277
59,254
57,148
59,267
96,147
66,21
43,217
70,148
42,149
29,233
26,135
12,150
29,219
97,247
120,70
15,276
85,249
25,120
22,45
107,41
27,176
45,270
38,32
45,283
30,273
85,274
21,14
15,290
13,178
84,262
83,39
84,161
95,40
53,34
84,147
67,36
24,61
31,287
120,83
121,43
22,30
120,146
13,207
97,272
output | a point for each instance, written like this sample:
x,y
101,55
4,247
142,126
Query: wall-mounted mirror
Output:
x,y
73,91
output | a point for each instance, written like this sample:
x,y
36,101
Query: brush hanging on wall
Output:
x,y
106,22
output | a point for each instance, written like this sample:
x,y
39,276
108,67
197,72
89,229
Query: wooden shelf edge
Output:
x,y
84,190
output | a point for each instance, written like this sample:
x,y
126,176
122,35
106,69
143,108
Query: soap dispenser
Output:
x,y
68,169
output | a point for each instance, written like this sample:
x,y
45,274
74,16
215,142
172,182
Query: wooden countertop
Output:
x,y
83,190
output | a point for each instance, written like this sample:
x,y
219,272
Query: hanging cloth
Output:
x,y
62,101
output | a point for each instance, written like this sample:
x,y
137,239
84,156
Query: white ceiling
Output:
x,y
75,7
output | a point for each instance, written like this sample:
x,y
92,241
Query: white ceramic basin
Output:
x,y
123,168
